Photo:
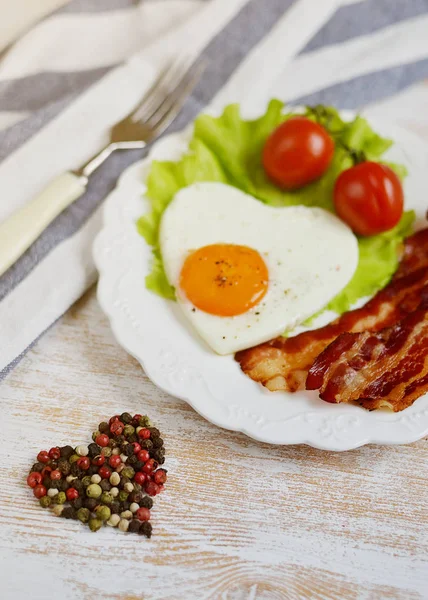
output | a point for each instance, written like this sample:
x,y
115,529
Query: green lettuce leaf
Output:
x,y
228,149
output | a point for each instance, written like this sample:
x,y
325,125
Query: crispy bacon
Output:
x,y
388,368
283,363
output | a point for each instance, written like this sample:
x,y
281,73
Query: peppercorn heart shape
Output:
x,y
110,481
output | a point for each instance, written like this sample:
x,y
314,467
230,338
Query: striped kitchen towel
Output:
x,y
83,68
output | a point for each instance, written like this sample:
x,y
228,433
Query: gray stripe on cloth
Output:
x,y
363,18
92,6
232,44
360,91
34,92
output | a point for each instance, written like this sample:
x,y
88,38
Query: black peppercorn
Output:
x,y
46,481
64,466
66,451
93,470
93,450
138,465
90,503
122,482
69,513
78,485
120,439
125,505
115,508
126,418
129,450
135,497
154,432
78,503
104,427
145,529
146,444
133,438
105,485
75,469
157,442
134,526
112,443
146,502
38,467
62,485
132,460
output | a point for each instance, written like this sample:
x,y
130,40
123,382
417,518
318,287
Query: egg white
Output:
x,y
310,255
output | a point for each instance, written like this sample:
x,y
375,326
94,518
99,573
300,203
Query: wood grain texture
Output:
x,y
238,520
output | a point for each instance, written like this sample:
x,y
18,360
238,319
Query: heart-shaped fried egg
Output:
x,y
245,272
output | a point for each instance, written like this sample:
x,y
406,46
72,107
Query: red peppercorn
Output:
x,y
56,475
114,418
137,418
160,476
144,433
54,453
99,460
161,488
43,456
143,455
46,471
39,491
72,494
150,466
102,440
143,514
84,462
117,427
137,447
115,461
140,478
104,472
152,488
34,479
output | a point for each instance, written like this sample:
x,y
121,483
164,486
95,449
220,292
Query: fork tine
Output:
x,y
172,104
167,81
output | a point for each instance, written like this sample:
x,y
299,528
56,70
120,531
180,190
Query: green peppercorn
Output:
x,y
90,504
106,451
145,529
123,496
57,509
106,498
66,451
60,498
146,502
93,490
45,501
126,418
128,472
103,513
69,513
144,421
104,427
95,524
137,487
86,481
95,434
83,514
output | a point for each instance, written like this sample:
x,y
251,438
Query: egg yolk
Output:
x,y
224,279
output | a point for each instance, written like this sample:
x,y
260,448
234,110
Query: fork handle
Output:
x,y
24,226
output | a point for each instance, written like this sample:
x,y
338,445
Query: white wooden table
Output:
x,y
238,519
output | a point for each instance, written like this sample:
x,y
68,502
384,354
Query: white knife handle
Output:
x,y
22,228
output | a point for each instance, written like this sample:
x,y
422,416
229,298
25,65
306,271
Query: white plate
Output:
x,y
154,332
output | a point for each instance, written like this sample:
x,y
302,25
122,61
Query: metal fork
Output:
x,y
158,108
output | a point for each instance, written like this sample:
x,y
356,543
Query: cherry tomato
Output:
x,y
298,152
369,198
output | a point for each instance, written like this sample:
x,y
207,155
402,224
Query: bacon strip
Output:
x,y
388,368
283,363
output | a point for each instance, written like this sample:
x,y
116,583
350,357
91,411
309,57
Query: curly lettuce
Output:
x,y
228,149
